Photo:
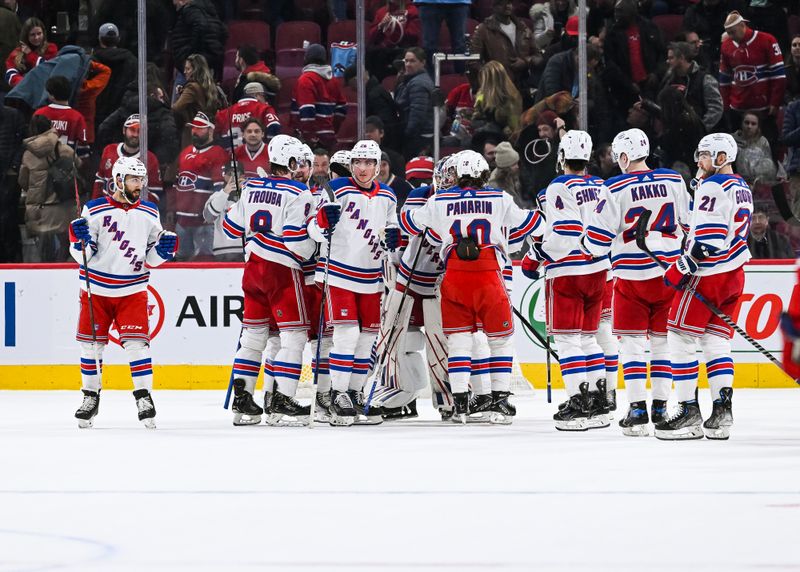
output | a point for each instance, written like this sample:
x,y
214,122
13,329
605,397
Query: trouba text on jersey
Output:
x,y
124,244
264,197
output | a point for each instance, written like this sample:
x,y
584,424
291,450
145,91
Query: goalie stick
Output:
x,y
641,242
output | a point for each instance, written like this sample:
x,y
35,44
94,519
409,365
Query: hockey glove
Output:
x,y
79,228
167,245
537,252
701,251
391,237
530,267
679,274
328,216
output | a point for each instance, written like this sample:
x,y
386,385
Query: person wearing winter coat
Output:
x,y
251,68
413,97
380,103
198,94
10,28
33,49
506,174
754,159
12,131
395,26
46,218
160,16
123,66
198,30
549,19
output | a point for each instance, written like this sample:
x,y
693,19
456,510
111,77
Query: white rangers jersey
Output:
x,y
430,265
612,226
271,213
121,248
568,204
214,212
723,205
485,215
356,252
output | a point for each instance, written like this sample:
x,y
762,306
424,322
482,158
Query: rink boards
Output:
x,y
195,312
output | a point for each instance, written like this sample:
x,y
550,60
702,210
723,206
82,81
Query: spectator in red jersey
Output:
x,y
252,157
460,106
199,176
251,68
198,94
751,73
318,106
252,104
68,123
32,50
129,147
396,25
634,55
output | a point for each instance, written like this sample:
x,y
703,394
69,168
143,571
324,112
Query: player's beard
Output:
x,y
131,196
132,142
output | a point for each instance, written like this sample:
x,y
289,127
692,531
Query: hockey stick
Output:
x,y
320,332
88,287
785,210
388,338
549,380
641,242
536,334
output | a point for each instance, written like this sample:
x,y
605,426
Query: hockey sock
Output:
x,y
500,362
572,361
480,379
634,367
273,346
719,364
288,363
459,348
683,354
595,360
660,367
248,357
362,361
90,378
345,339
141,365
608,343
324,375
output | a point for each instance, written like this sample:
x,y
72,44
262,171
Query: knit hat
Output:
x,y
505,155
315,54
201,121
419,168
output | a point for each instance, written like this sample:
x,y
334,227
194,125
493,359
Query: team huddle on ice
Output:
x,y
373,291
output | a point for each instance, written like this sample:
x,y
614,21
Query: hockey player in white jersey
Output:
x,y
471,221
225,249
272,214
712,265
354,253
574,286
122,237
642,300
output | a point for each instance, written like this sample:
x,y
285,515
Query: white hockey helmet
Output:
x,y
307,154
366,149
575,145
128,166
282,149
633,143
470,164
438,172
340,163
716,143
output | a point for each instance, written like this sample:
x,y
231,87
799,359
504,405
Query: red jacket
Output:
x,y
318,106
14,75
751,74
405,31
86,103
69,124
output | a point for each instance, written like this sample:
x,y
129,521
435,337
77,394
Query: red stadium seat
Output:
x,y
290,57
292,34
342,31
350,94
471,25
449,81
669,24
284,102
251,32
250,10
347,134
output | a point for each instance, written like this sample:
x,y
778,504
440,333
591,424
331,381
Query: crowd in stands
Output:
x,y
224,76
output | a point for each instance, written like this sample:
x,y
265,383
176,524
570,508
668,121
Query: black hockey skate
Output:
x,y
375,416
461,407
479,407
343,413
322,411
88,409
245,410
598,407
718,426
408,411
635,424
573,414
683,425
447,414
147,410
284,407
611,398
658,411
268,395
503,412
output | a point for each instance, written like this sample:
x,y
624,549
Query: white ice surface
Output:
x,y
198,494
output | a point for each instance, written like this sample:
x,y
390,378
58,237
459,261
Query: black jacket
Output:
x,y
160,15
12,131
123,71
617,74
559,75
198,30
163,137
381,103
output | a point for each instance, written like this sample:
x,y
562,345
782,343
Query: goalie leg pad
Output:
x,y
719,364
660,367
459,349
90,377
634,367
288,363
436,354
683,357
345,339
141,365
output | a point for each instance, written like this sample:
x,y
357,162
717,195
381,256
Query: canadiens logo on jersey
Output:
x,y
745,75
108,164
186,180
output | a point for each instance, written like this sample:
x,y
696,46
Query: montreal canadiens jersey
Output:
x,y
613,223
121,248
250,162
68,123
103,179
199,176
356,254
484,215
429,264
720,219
230,120
272,213
568,202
